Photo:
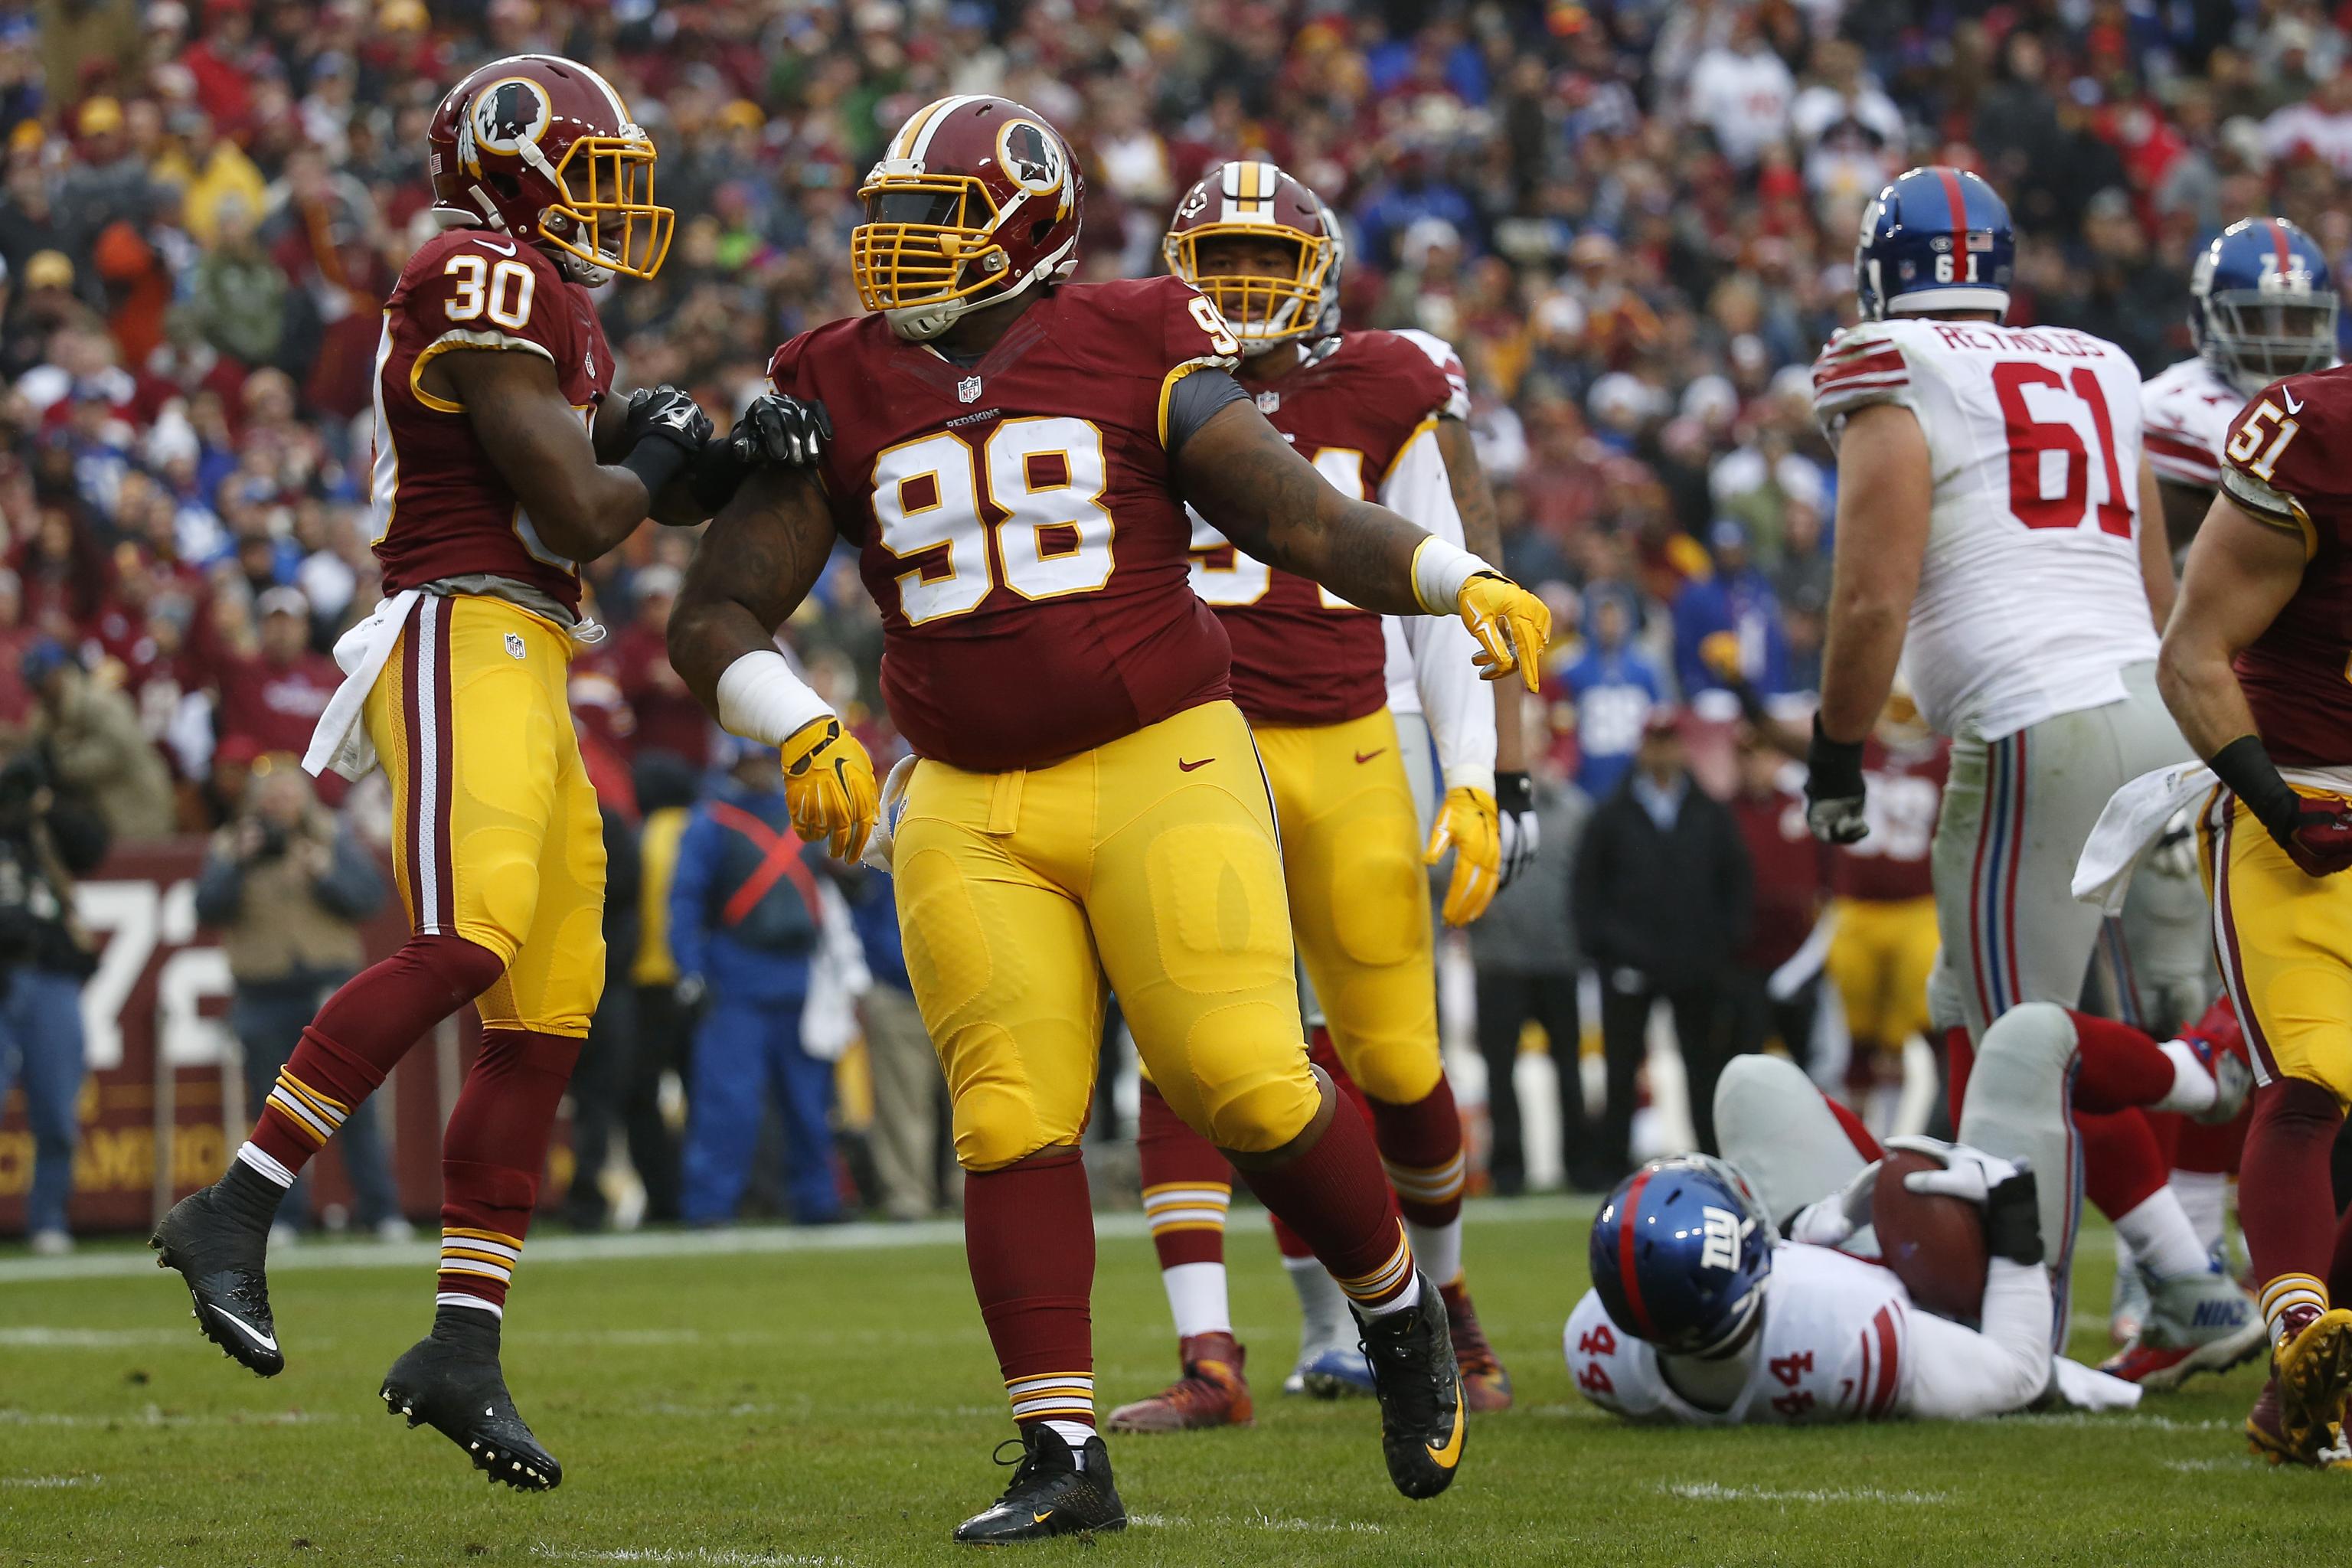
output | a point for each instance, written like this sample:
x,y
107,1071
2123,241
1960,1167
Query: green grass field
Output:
x,y
826,1400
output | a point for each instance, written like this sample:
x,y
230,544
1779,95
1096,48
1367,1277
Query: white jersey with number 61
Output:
x,y
2031,601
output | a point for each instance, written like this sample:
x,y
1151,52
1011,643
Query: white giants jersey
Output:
x,y
2031,601
2188,408
1836,1330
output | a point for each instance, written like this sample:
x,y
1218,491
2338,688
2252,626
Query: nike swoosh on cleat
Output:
x,y
1184,767
248,1330
1041,1517
1368,756
1449,1453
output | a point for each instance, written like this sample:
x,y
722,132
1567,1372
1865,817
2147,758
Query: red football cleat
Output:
x,y
1212,1393
1486,1387
2219,1043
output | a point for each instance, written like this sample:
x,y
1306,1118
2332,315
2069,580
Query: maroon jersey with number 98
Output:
x,y
2284,465
441,507
1016,522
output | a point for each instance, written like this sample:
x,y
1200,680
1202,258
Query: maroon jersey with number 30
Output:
x,y
1302,655
2284,465
441,507
1016,521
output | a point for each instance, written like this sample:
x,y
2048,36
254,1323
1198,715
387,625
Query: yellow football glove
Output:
x,y
1466,825
829,787
1719,651
1511,624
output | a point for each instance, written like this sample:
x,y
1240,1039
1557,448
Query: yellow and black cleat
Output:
x,y
1056,1491
1419,1384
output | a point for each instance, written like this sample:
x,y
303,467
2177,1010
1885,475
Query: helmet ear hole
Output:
x,y
1040,230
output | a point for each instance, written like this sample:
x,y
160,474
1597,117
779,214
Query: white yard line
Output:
x,y
861,1237
1710,1491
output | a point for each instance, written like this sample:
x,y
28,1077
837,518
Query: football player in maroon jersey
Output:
x,y
1309,672
2253,667
501,462
1088,804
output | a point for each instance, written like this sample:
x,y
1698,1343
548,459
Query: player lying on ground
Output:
x,y
501,462
1309,672
1011,456
1667,1332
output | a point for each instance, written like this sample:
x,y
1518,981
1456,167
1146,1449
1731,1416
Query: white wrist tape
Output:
x,y
1471,775
1439,570
760,698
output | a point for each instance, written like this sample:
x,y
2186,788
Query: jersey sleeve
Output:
x,y
1861,366
2179,452
2275,465
784,369
1449,365
1194,337
479,293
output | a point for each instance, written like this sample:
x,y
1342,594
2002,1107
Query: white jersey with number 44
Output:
x,y
2031,601
1836,1343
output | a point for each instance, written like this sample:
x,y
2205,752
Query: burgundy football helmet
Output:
x,y
975,200
1259,201
543,148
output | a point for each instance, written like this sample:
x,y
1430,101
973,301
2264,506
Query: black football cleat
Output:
x,y
454,1385
1419,1385
1056,1491
221,1253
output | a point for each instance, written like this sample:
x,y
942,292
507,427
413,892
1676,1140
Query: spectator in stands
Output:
x,y
48,837
1728,622
665,791
910,1100
272,694
744,913
89,739
1524,952
1662,894
669,718
602,1079
288,888
1611,691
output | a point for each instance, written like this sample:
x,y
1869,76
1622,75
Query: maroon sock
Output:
x,y
1187,1184
491,1159
1336,1197
1855,1132
2116,1064
368,1025
1029,1238
2213,1149
1420,1147
2285,1204
2123,1165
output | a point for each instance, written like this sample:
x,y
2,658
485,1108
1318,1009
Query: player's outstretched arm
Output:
x,y
2240,572
1481,535
1885,491
1261,494
582,508
2155,547
763,555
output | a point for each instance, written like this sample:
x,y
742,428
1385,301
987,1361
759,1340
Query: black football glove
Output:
x,y
1515,800
663,428
775,432
1834,790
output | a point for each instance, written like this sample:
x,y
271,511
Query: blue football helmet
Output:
x,y
1681,1254
1936,239
2262,304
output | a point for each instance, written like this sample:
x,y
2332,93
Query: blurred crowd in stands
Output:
x,y
1633,219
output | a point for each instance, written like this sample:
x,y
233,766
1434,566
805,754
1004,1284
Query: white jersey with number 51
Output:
x,y
2031,601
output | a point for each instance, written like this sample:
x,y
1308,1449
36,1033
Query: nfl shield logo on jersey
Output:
x,y
514,644
968,389
1268,402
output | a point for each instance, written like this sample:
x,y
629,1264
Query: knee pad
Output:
x,y
2033,1041
995,1116
1380,896
1393,1069
1255,1091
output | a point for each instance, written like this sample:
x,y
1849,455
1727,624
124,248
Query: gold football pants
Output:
x,y
2284,940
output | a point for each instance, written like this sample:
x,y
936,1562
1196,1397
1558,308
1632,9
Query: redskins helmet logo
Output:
x,y
1032,155
505,116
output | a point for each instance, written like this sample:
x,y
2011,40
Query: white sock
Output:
x,y
454,1298
2162,1237
1196,1298
2192,1088
256,1158
1439,1249
2205,1197
1322,1307
1075,1433
1409,1296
